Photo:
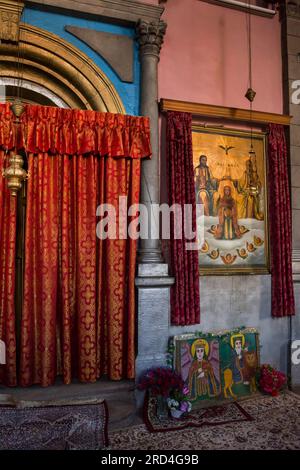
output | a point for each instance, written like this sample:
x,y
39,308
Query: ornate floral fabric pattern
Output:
x,y
78,316
276,426
79,309
56,426
76,132
185,300
7,277
283,303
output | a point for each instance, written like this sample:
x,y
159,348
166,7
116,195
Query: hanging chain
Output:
x,y
20,57
250,69
250,94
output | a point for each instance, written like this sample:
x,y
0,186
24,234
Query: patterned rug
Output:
x,y
215,415
55,426
276,425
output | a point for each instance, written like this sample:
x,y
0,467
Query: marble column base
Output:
x,y
295,322
153,299
150,256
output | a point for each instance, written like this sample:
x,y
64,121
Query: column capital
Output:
x,y
150,36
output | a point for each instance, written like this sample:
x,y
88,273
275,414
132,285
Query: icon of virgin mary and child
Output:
x,y
202,380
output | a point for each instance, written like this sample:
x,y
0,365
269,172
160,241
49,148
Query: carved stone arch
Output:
x,y
49,61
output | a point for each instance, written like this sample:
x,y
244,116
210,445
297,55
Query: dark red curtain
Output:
x,y
185,299
79,307
7,275
283,303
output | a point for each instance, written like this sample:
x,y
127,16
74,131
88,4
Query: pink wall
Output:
x,y
204,58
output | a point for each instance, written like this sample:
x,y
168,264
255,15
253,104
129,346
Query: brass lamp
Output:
x,y
18,109
15,174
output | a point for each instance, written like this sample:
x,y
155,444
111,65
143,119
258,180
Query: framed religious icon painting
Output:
x,y
218,366
231,197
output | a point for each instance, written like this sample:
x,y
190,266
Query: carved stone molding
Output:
x,y
128,11
296,265
293,9
10,15
63,69
150,36
244,6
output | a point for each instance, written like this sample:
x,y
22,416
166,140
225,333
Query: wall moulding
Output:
x,y
67,72
245,7
126,11
296,265
234,114
241,6
10,14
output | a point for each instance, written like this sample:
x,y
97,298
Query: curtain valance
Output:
x,y
75,132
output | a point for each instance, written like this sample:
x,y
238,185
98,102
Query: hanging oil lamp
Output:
x,y
15,173
250,94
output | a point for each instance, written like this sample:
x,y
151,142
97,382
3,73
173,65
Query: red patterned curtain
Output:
x,y
79,310
7,276
283,303
185,301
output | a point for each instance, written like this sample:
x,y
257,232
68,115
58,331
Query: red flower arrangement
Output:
x,y
161,381
271,380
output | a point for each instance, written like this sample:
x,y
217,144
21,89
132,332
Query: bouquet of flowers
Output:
x,y
161,381
178,400
169,389
271,380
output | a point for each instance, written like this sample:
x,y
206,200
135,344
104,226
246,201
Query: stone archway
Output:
x,y
66,73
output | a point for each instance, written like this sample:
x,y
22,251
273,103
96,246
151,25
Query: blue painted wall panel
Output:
x,y
56,22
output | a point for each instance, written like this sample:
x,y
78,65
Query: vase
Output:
x,y
162,407
176,413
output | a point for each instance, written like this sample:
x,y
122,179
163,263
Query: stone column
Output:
x,y
290,16
150,38
153,281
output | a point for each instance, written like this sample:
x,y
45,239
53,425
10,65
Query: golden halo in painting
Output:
x,y
199,343
237,336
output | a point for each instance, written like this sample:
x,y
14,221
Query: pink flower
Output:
x,y
184,406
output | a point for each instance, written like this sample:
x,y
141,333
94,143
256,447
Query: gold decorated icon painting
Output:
x,y
231,197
